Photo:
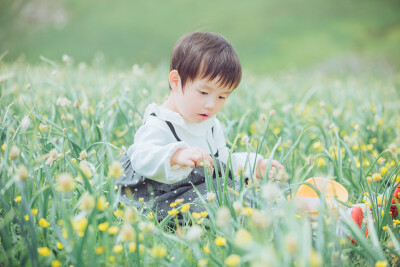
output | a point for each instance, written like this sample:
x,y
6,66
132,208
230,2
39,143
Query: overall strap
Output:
x,y
172,128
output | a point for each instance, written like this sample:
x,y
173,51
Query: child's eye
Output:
x,y
222,97
203,93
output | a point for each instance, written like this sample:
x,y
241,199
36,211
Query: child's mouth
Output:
x,y
203,116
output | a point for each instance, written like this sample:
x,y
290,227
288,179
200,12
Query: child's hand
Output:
x,y
191,157
262,166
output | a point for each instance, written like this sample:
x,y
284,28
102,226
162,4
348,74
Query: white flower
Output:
x,y
223,217
194,233
270,192
237,206
52,156
25,123
211,197
63,102
271,112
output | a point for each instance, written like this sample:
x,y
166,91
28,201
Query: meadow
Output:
x,y
64,125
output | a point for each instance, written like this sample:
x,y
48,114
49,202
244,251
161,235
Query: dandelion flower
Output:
x,y
232,260
321,162
103,226
118,248
196,215
56,263
206,250
101,203
99,250
113,230
381,264
185,207
220,241
376,177
44,223
44,251
158,251
59,245
132,247
202,263
173,212
17,199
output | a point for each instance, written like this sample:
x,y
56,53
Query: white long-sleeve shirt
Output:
x,y
154,145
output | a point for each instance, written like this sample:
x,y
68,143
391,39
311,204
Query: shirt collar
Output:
x,y
176,119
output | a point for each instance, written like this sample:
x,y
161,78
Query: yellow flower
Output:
x,y
220,241
113,230
243,238
34,211
111,259
56,263
248,211
43,223
384,170
185,207
17,199
377,177
179,201
44,251
206,250
369,180
173,212
59,245
381,264
158,251
173,204
379,200
116,170
202,263
103,226
384,228
204,214
118,248
315,259
196,215
232,260
118,213
83,165
73,160
321,162
99,250
101,203
132,247
3,147
150,216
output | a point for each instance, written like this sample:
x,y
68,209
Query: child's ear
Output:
x,y
174,80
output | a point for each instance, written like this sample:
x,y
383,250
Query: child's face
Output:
x,y
200,100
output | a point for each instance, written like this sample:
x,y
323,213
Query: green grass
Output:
x,y
312,134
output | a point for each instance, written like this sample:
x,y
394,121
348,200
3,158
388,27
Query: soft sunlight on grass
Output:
x,y
63,128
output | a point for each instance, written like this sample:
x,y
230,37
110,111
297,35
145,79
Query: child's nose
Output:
x,y
210,103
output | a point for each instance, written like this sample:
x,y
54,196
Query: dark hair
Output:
x,y
206,55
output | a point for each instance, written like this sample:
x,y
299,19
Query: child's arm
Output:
x,y
152,151
243,160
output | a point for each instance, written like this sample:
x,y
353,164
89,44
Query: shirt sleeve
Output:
x,y
152,150
245,161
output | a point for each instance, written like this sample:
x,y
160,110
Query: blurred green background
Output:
x,y
269,35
